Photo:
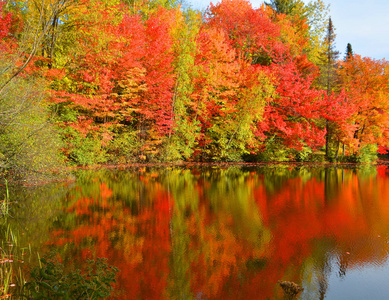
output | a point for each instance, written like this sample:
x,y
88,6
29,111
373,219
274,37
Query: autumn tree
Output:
x,y
365,81
292,117
251,31
117,83
308,21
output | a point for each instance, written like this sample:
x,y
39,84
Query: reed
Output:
x,y
4,204
11,261
12,255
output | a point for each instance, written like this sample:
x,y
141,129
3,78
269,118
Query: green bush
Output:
x,y
48,281
124,147
275,151
367,154
170,153
304,154
317,157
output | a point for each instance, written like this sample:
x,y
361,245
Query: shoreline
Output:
x,y
223,164
72,178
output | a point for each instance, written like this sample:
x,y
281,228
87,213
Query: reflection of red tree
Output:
x,y
346,214
218,253
138,245
299,215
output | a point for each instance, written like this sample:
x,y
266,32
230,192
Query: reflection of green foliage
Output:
x,y
33,211
275,176
182,185
4,204
49,281
256,264
228,192
12,256
366,171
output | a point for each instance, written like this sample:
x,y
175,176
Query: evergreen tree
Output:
x,y
349,52
288,7
330,57
328,72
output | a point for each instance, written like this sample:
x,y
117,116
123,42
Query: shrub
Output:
x,y
275,151
50,282
124,147
367,154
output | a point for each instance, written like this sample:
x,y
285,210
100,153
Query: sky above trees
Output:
x,y
363,24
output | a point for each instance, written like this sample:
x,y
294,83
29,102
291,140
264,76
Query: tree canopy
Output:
x,y
123,81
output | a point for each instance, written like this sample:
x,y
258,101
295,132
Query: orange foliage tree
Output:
x,y
366,83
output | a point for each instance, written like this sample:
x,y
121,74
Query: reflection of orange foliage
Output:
x,y
346,213
300,214
105,192
138,245
219,253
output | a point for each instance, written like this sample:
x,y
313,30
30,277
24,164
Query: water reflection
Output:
x,y
229,233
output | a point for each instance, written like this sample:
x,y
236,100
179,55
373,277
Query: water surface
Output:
x,y
218,232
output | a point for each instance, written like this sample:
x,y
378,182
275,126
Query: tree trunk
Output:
x,y
327,138
337,150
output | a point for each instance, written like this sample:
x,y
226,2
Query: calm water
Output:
x,y
220,233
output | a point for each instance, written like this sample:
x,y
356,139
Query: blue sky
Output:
x,y
364,24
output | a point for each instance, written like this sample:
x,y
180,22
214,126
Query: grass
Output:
x,y
4,204
11,260
11,254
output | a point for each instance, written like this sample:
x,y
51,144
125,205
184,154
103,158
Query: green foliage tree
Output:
x,y
186,128
29,144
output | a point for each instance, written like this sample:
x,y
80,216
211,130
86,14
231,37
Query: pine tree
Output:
x,y
328,72
330,58
287,7
349,52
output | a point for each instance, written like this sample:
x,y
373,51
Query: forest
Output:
x,y
86,82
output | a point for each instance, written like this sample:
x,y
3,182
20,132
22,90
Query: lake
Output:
x,y
219,232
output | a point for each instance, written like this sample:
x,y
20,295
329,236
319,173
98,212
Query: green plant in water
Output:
x,y
48,281
11,259
4,204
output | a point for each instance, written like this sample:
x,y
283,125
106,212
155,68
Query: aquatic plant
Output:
x,y
4,204
50,282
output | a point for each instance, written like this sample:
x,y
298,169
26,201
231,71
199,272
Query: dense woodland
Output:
x,y
117,81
